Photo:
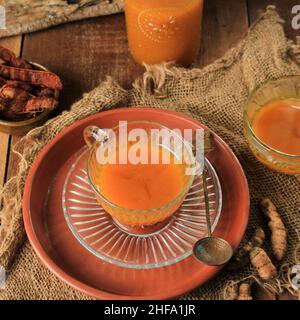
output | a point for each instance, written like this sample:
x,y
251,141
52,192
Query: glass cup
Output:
x,y
164,30
287,88
97,138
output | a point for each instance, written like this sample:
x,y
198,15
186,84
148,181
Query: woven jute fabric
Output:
x,y
33,15
215,96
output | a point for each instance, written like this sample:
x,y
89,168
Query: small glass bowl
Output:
x,y
126,216
281,89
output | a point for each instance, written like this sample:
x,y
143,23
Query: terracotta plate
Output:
x,y
59,250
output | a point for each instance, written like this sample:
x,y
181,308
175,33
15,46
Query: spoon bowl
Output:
x,y
213,251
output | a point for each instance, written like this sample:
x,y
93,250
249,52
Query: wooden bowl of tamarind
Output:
x,y
29,92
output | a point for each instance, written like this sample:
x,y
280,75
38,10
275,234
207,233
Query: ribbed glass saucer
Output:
x,y
97,232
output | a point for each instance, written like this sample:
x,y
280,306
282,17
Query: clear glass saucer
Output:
x,y
105,238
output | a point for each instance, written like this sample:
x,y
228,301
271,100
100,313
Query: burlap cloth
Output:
x,y
213,95
23,16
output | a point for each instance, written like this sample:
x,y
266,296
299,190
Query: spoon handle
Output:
x,y
206,202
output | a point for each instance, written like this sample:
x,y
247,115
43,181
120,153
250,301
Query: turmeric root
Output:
x,y
241,258
231,293
279,234
244,292
261,261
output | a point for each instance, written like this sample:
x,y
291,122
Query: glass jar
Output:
x,y
164,30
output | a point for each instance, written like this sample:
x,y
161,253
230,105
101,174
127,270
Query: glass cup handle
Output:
x,y
92,134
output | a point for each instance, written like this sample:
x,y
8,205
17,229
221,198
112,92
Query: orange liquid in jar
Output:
x,y
278,125
142,186
164,30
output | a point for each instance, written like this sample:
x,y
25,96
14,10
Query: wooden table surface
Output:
x,y
84,52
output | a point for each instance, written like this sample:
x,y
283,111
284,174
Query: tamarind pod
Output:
x,y
15,99
19,84
37,77
279,233
263,264
244,292
9,92
39,104
35,90
44,92
9,57
2,104
2,81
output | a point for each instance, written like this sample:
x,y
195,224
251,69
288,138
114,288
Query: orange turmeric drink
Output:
x,y
275,135
164,30
142,186
140,182
277,124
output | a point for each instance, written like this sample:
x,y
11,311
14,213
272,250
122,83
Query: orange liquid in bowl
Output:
x,y
140,194
141,186
164,30
278,125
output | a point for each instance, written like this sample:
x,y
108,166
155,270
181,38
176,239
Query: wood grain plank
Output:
x,y
223,26
4,149
83,53
13,44
256,7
